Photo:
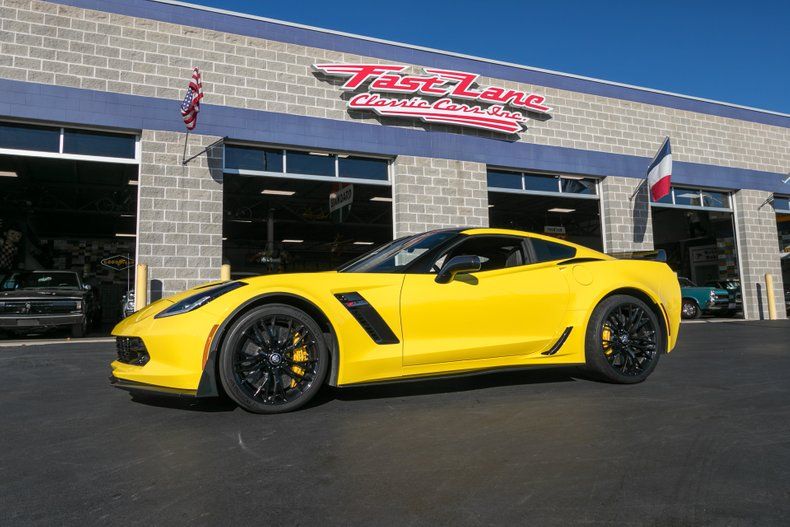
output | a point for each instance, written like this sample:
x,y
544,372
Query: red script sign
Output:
x,y
446,86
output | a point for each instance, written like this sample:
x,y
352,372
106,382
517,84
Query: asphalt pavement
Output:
x,y
704,441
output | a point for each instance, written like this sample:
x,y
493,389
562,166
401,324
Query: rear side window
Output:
x,y
549,251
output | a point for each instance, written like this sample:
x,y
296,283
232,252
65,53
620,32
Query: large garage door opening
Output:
x,y
68,204
293,211
782,207
696,229
566,207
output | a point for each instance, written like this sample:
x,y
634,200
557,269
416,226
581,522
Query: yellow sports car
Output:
x,y
439,303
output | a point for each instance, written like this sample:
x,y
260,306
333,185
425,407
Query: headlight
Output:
x,y
200,298
78,305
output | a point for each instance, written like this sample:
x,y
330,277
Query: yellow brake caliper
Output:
x,y
606,339
299,355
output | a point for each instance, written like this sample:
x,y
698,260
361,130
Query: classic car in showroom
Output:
x,y
450,301
35,301
707,300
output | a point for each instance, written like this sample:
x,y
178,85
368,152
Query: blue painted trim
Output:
x,y
185,15
24,100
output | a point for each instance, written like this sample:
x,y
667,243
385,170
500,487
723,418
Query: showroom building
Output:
x,y
313,145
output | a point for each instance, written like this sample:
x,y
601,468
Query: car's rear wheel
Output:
x,y
690,309
624,340
274,359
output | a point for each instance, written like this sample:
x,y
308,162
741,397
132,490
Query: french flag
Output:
x,y
659,174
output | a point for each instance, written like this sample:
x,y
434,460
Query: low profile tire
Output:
x,y
690,310
623,341
79,330
274,359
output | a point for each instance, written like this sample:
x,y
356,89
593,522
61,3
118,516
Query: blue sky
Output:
x,y
725,50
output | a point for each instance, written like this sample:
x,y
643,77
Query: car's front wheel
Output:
x,y
624,340
690,310
274,360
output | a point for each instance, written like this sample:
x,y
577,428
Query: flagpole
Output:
x,y
184,156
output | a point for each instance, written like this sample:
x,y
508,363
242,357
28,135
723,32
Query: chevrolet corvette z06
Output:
x,y
439,303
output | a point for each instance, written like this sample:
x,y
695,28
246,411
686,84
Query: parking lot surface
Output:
x,y
704,441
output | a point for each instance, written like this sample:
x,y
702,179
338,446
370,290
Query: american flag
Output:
x,y
191,105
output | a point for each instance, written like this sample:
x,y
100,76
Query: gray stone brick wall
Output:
x,y
758,248
626,221
434,193
180,212
54,44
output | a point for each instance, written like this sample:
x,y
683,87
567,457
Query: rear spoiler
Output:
x,y
659,255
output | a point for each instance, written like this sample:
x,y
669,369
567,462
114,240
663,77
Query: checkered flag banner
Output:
x,y
191,105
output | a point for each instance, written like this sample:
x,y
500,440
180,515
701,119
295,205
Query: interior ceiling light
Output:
x,y
380,198
363,243
242,221
293,241
318,154
272,192
560,209
574,177
7,173
124,235
133,181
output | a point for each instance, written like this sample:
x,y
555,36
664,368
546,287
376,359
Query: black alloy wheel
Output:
x,y
274,360
624,340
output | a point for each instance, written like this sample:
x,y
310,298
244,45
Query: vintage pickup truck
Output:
x,y
33,301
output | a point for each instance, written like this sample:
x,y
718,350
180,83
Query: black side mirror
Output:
x,y
456,265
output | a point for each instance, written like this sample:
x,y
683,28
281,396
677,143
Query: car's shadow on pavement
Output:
x,y
213,404
450,384
398,389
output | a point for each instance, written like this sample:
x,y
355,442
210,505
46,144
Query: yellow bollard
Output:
x,y
224,272
769,293
141,287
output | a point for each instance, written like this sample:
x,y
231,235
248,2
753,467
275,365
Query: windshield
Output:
x,y
395,256
685,282
41,280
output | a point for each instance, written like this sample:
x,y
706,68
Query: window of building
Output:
x,y
696,198
533,183
89,143
250,160
68,143
26,137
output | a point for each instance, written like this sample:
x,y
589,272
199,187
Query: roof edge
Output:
x,y
464,56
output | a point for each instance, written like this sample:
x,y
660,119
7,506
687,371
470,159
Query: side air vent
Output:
x,y
557,345
368,318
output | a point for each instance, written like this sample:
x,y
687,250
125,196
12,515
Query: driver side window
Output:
x,y
495,252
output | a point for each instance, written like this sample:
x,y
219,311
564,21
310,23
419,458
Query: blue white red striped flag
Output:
x,y
191,105
659,174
